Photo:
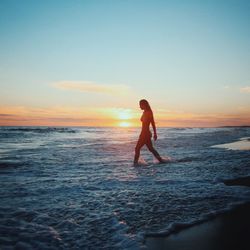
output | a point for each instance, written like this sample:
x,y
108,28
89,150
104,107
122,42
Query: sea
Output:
x,y
77,187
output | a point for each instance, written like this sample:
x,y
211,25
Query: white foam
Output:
x,y
141,162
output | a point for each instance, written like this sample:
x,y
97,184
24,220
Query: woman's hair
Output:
x,y
145,104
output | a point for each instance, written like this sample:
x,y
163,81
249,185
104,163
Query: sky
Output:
x,y
89,62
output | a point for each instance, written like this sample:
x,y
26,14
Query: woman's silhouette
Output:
x,y
145,136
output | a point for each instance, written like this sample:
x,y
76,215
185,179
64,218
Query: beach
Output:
x,y
229,230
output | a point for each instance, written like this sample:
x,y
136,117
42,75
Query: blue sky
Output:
x,y
183,56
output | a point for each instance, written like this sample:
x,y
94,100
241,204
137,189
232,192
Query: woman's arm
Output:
x,y
153,125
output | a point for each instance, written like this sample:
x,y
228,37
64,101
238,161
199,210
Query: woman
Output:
x,y
145,136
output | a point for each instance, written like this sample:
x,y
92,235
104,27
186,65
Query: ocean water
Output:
x,y
76,188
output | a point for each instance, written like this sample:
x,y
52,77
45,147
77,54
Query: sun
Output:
x,y
124,116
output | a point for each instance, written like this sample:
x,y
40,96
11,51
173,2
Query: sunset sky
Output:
x,y
89,62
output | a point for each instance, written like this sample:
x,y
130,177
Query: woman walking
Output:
x,y
145,136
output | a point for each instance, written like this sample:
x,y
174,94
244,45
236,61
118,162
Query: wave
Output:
x,y
39,129
179,226
166,160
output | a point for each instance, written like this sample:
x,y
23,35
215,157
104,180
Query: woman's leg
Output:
x,y
138,147
153,151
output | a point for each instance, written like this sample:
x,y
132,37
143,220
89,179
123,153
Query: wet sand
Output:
x,y
243,181
242,144
227,231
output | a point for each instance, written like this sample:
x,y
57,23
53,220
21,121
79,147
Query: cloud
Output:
x,y
208,120
245,89
55,116
92,87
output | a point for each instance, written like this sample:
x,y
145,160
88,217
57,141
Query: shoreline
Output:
x,y
230,230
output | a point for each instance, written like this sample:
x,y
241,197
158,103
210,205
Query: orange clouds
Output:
x,y
58,116
53,116
182,119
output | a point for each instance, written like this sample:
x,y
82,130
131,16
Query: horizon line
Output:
x,y
85,126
